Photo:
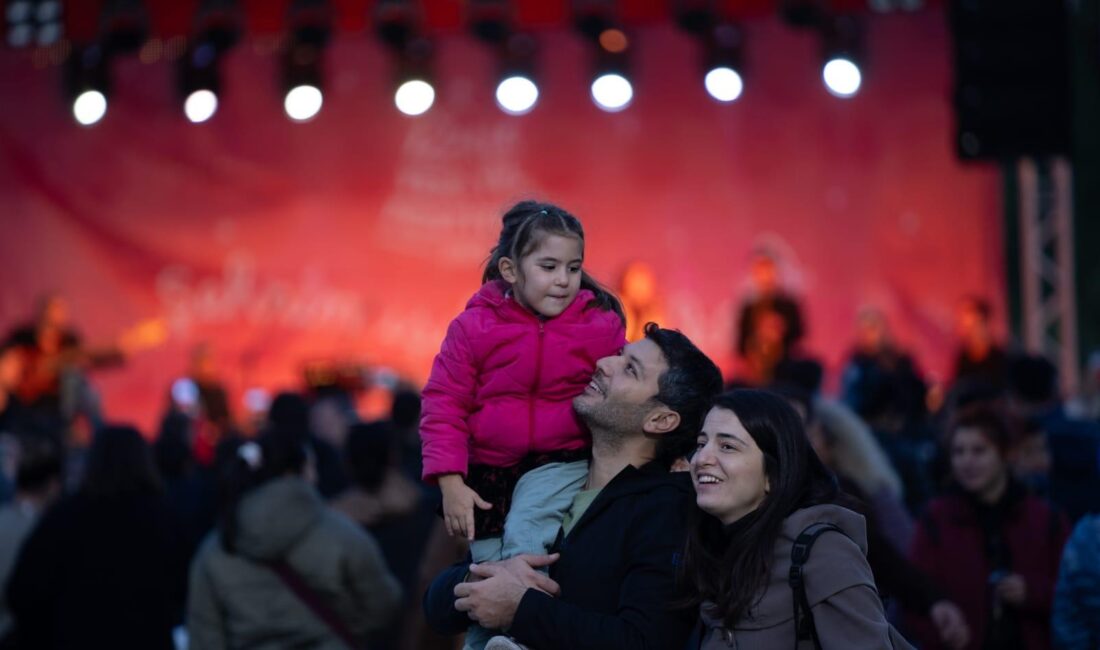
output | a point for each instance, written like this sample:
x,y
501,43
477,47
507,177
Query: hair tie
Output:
x,y
251,453
543,211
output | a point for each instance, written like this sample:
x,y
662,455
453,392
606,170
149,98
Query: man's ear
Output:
x,y
660,421
508,270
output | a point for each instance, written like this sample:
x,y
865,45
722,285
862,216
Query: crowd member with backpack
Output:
x,y
991,546
772,561
283,570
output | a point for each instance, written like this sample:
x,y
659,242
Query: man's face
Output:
x,y
620,395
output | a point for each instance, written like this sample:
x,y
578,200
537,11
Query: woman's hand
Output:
x,y
458,505
1012,589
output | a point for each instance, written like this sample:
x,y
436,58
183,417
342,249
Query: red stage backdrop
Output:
x,y
360,234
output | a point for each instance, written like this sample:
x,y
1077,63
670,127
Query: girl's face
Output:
x,y
976,465
727,468
549,277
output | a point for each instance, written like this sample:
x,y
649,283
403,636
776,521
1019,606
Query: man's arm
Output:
x,y
439,601
644,619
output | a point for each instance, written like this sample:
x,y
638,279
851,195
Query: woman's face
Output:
x,y
727,468
976,465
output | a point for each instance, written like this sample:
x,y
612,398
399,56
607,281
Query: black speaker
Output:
x,y
1012,78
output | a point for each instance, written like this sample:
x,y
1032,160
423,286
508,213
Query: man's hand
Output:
x,y
950,623
493,594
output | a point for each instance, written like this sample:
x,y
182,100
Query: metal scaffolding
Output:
x,y
1049,306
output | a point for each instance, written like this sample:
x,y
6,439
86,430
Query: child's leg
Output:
x,y
540,500
482,550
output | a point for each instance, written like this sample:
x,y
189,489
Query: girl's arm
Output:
x,y
448,400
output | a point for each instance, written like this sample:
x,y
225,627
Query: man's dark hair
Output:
x,y
40,462
687,387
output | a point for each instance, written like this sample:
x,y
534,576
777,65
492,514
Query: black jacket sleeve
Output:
x,y
644,618
439,601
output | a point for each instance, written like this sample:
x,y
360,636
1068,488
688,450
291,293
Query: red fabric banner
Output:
x,y
360,234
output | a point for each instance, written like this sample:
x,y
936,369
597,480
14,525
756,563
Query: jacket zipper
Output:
x,y
534,391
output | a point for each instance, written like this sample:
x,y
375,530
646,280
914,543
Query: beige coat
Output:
x,y
839,586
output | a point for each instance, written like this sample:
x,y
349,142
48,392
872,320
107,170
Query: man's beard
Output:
x,y
610,423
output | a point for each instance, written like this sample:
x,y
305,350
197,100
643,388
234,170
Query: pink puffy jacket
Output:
x,y
503,382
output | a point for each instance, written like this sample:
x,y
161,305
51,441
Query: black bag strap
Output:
x,y
803,617
309,597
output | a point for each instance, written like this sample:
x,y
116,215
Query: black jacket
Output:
x,y
617,573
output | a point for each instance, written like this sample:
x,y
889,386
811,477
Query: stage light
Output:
x,y
302,103
414,97
219,28
612,92
200,106
842,40
517,95
87,84
89,107
842,77
396,27
303,58
611,88
724,84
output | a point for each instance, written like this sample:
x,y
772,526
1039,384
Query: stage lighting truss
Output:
x,y
396,25
611,89
30,23
842,66
303,59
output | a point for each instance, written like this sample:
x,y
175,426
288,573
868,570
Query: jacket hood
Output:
x,y
495,295
833,568
275,516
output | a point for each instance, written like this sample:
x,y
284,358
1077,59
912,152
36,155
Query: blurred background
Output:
x,y
205,204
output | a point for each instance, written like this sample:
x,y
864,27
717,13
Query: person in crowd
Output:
x,y
391,507
1076,617
12,410
1034,402
888,525
769,322
105,567
611,578
980,358
282,570
290,413
760,487
640,298
992,547
1029,457
189,488
879,372
499,433
37,485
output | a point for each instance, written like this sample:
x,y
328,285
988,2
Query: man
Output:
x,y
612,573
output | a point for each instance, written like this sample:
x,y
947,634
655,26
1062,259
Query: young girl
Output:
x,y
498,404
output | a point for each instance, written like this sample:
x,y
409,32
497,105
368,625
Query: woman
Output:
x,y
283,570
993,548
106,567
761,486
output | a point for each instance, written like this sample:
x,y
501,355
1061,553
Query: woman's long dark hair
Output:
x,y
730,566
520,233
277,452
